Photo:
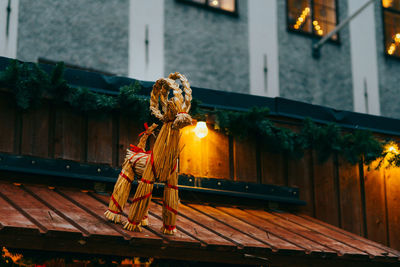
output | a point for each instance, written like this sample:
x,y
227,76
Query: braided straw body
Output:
x,y
163,163
134,163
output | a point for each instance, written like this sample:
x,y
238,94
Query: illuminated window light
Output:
x,y
201,129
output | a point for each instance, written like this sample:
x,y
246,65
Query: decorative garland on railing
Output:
x,y
30,85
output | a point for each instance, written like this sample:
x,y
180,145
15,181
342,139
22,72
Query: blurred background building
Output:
x,y
261,47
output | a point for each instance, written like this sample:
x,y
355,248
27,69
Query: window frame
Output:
x,y
393,11
206,6
312,34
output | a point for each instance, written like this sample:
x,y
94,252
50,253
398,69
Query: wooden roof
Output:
x,y
71,220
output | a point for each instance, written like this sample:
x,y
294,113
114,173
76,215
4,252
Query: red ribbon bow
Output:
x,y
146,127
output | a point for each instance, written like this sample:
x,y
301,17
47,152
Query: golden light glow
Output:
x,y
215,3
392,148
302,18
317,27
201,129
387,3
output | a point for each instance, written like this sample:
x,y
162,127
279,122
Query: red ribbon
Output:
x,y
145,132
169,227
172,186
146,181
116,203
115,212
132,222
141,198
176,163
126,177
169,208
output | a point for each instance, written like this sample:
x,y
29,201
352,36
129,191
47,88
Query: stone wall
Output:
x,y
388,71
325,81
210,48
90,33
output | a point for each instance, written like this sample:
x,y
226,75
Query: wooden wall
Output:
x,y
356,198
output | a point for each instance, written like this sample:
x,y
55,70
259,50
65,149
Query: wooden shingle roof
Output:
x,y
37,217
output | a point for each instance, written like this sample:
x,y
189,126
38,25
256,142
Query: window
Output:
x,y
226,6
313,17
391,20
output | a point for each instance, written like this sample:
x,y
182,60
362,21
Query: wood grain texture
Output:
x,y
209,238
35,132
100,139
276,230
325,191
392,177
350,198
69,136
375,204
273,168
300,175
37,210
204,157
129,132
223,230
324,240
7,122
272,241
339,236
245,160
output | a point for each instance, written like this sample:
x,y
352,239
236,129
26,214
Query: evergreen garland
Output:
x,y
30,84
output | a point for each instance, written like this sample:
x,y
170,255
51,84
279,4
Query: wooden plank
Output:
x,y
325,191
69,137
245,161
204,157
300,175
277,230
272,241
338,236
38,211
391,252
90,224
155,224
350,198
7,119
35,132
99,139
299,229
273,168
221,229
392,177
98,208
129,132
12,218
375,204
209,238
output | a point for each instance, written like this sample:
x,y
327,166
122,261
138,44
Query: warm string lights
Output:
x,y
302,18
393,46
317,27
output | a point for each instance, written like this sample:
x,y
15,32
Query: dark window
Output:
x,y
391,18
313,17
227,6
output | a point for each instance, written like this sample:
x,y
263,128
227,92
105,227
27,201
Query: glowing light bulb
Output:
x,y
201,129
315,23
320,32
215,3
393,149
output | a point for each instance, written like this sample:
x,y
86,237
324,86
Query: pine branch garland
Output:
x,y
30,84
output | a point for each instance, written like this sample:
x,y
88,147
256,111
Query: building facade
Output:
x,y
256,47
